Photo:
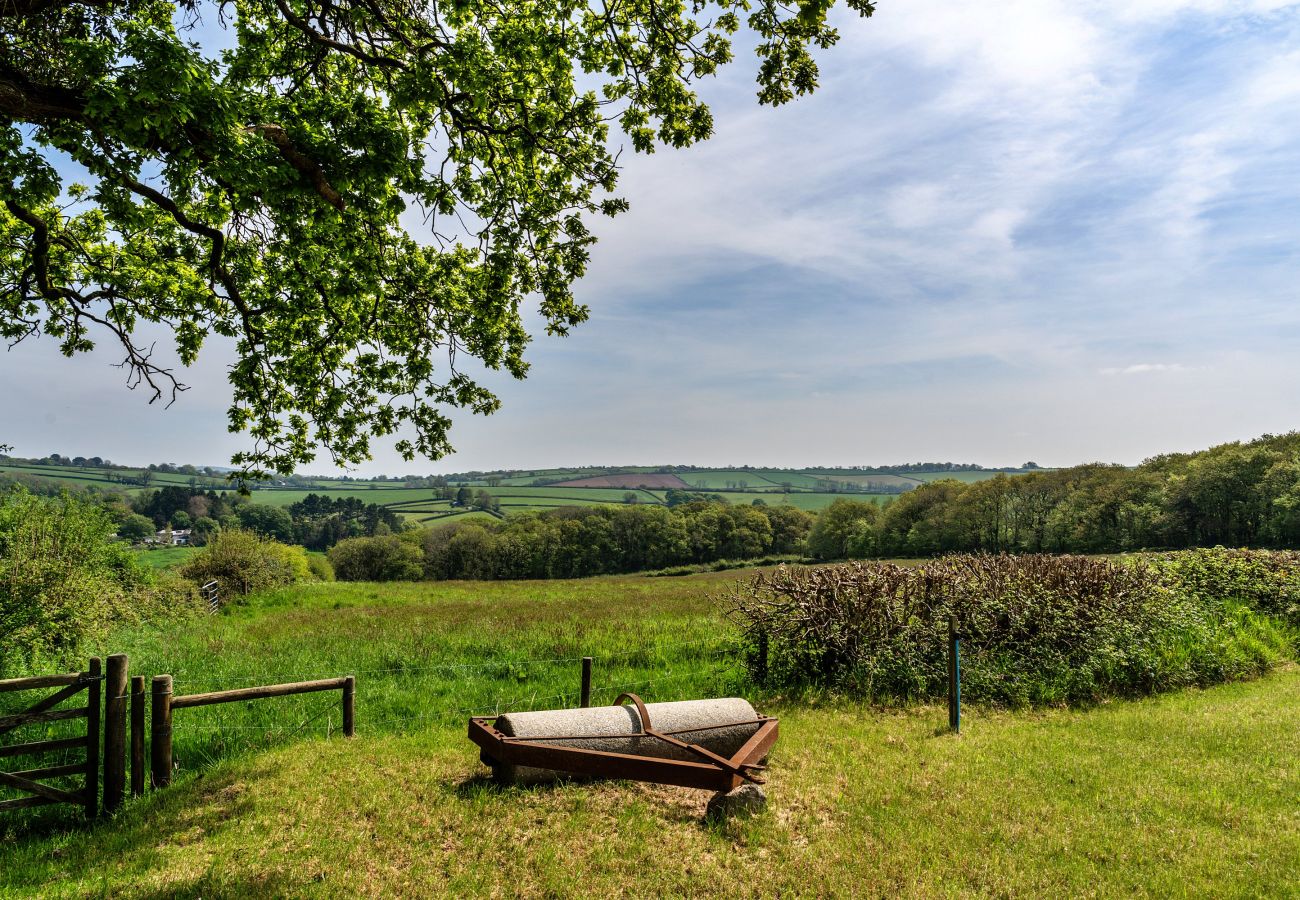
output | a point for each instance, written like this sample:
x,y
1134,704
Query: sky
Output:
x,y
1048,231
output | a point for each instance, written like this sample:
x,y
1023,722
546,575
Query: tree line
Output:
x,y
1242,494
573,542
1238,494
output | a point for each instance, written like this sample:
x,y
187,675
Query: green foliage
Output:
x,y
262,196
1268,581
268,521
320,567
383,558
242,562
136,528
1037,629
64,581
844,529
574,542
205,528
1240,494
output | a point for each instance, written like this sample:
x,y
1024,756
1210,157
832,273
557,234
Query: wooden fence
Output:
x,y
164,703
110,695
46,709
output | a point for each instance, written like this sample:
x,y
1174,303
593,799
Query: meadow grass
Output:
x,y
163,558
1189,794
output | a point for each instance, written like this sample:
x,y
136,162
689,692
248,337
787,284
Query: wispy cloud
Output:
x,y
1145,369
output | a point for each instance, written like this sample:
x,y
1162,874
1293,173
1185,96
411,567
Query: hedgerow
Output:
x,y
64,582
1037,629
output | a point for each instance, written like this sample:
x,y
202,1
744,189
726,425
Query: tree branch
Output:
x,y
300,161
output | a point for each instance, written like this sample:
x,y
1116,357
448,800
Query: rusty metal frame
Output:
x,y
713,772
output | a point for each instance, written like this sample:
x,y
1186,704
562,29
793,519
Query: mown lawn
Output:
x,y
1190,794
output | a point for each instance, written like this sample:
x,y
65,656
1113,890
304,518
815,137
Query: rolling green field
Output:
x,y
86,476
165,557
516,494
966,477
724,478
1189,794
810,501
381,495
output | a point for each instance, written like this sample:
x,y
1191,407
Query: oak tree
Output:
x,y
361,194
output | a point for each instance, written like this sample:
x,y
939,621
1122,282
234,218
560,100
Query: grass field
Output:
x,y
967,477
517,495
165,557
808,501
91,476
892,480
1190,794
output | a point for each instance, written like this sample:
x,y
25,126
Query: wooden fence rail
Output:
x,y
28,781
164,703
112,700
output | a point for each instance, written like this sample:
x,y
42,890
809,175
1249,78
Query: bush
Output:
x,y
136,528
383,558
242,562
1038,629
64,581
1264,580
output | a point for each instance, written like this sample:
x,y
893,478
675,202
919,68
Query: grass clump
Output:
x,y
1037,629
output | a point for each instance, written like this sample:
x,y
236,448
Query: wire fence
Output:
x,y
201,682
709,669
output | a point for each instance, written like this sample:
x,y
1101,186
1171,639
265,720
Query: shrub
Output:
x,y
64,581
383,558
1264,580
1039,629
242,562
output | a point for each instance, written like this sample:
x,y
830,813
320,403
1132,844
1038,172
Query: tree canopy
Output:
x,y
360,193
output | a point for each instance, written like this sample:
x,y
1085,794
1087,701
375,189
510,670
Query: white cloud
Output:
x,y
1145,369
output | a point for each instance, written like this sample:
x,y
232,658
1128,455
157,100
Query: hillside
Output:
x,y
426,499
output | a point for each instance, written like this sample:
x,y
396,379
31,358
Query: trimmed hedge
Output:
x,y
1039,630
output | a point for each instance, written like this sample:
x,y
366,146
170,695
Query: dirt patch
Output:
x,y
633,480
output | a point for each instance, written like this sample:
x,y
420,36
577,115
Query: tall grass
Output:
x,y
426,656
433,654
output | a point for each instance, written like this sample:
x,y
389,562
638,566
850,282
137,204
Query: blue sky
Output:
x,y
1030,230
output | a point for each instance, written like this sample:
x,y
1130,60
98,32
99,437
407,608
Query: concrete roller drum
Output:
x,y
722,726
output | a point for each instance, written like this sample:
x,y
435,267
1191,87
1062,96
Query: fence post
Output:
x,y
954,676
137,735
115,697
160,737
349,706
585,694
762,657
93,692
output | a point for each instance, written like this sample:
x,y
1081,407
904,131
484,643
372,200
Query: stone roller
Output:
x,y
720,726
